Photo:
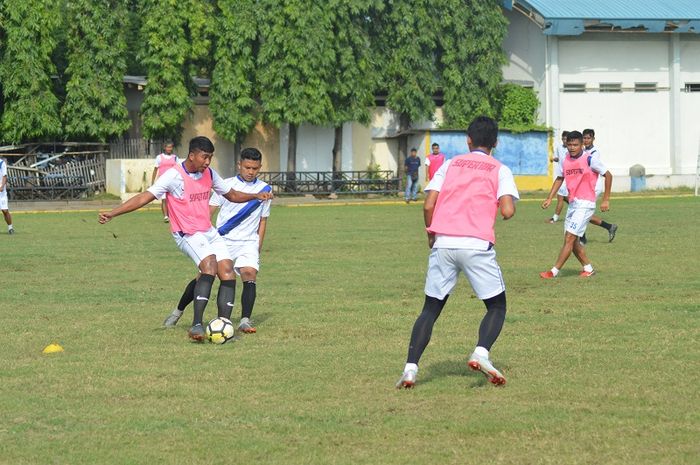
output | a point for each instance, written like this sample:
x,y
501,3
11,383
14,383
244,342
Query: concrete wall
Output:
x,y
125,178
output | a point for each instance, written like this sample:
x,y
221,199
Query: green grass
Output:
x,y
600,371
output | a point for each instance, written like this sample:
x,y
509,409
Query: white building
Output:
x,y
630,69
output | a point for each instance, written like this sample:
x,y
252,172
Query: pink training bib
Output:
x,y
190,214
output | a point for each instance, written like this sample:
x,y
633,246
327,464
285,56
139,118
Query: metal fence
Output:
x,y
327,182
134,148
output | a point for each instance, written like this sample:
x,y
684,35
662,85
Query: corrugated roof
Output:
x,y
567,17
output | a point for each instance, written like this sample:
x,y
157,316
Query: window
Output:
x,y
610,87
645,87
692,86
574,87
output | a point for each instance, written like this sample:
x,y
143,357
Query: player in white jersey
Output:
x,y
3,196
588,140
242,226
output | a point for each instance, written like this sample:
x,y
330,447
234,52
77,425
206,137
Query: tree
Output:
x,y
95,106
353,79
471,58
232,94
405,37
176,41
294,64
30,105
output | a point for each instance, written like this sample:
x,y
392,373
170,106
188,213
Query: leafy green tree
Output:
x,y
176,41
353,79
294,65
405,36
95,105
517,107
232,94
30,105
471,57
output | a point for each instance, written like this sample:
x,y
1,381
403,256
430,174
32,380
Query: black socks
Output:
x,y
202,290
247,299
423,327
187,296
227,294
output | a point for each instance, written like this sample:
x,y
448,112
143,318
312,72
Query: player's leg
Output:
x,y
8,220
486,279
224,269
564,254
574,228
186,299
248,276
247,266
440,280
610,227
580,253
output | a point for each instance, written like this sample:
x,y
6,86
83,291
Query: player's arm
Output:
x,y
130,205
552,192
428,209
3,183
506,204
240,197
605,203
261,232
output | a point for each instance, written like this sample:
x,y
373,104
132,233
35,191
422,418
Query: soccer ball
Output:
x,y
220,330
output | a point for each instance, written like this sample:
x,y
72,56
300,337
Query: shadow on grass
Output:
x,y
452,368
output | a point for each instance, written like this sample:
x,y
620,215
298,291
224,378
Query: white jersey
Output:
x,y
600,183
240,221
171,182
506,186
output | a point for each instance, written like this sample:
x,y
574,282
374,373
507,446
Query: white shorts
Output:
x,y
3,199
563,191
200,245
244,254
577,220
479,266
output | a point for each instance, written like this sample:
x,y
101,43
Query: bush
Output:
x,y
517,108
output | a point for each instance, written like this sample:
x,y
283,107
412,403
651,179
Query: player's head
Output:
x,y
249,163
482,132
200,152
563,136
436,148
574,142
414,152
168,147
588,137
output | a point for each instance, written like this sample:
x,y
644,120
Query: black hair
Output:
x,y
435,144
483,132
564,133
251,153
167,142
589,132
201,144
414,149
574,135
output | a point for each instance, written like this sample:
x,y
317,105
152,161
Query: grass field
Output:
x,y
600,371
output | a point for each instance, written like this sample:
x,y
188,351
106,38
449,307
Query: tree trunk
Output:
x,y
337,157
403,144
292,158
236,153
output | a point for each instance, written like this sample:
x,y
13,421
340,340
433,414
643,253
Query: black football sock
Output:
x,y
605,225
247,299
227,294
187,295
423,327
202,291
493,321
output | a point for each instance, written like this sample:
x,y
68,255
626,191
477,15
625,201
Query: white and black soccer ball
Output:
x,y
220,330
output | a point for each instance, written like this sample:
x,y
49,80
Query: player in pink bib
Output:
x,y
462,202
189,186
164,161
433,162
580,170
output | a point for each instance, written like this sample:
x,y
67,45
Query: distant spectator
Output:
x,y
411,166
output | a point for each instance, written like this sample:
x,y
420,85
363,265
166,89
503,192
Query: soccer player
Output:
x,y
460,210
164,161
433,162
243,226
588,140
559,154
188,185
3,196
580,170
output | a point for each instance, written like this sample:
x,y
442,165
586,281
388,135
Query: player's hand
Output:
x,y
546,204
104,217
264,196
431,240
605,205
